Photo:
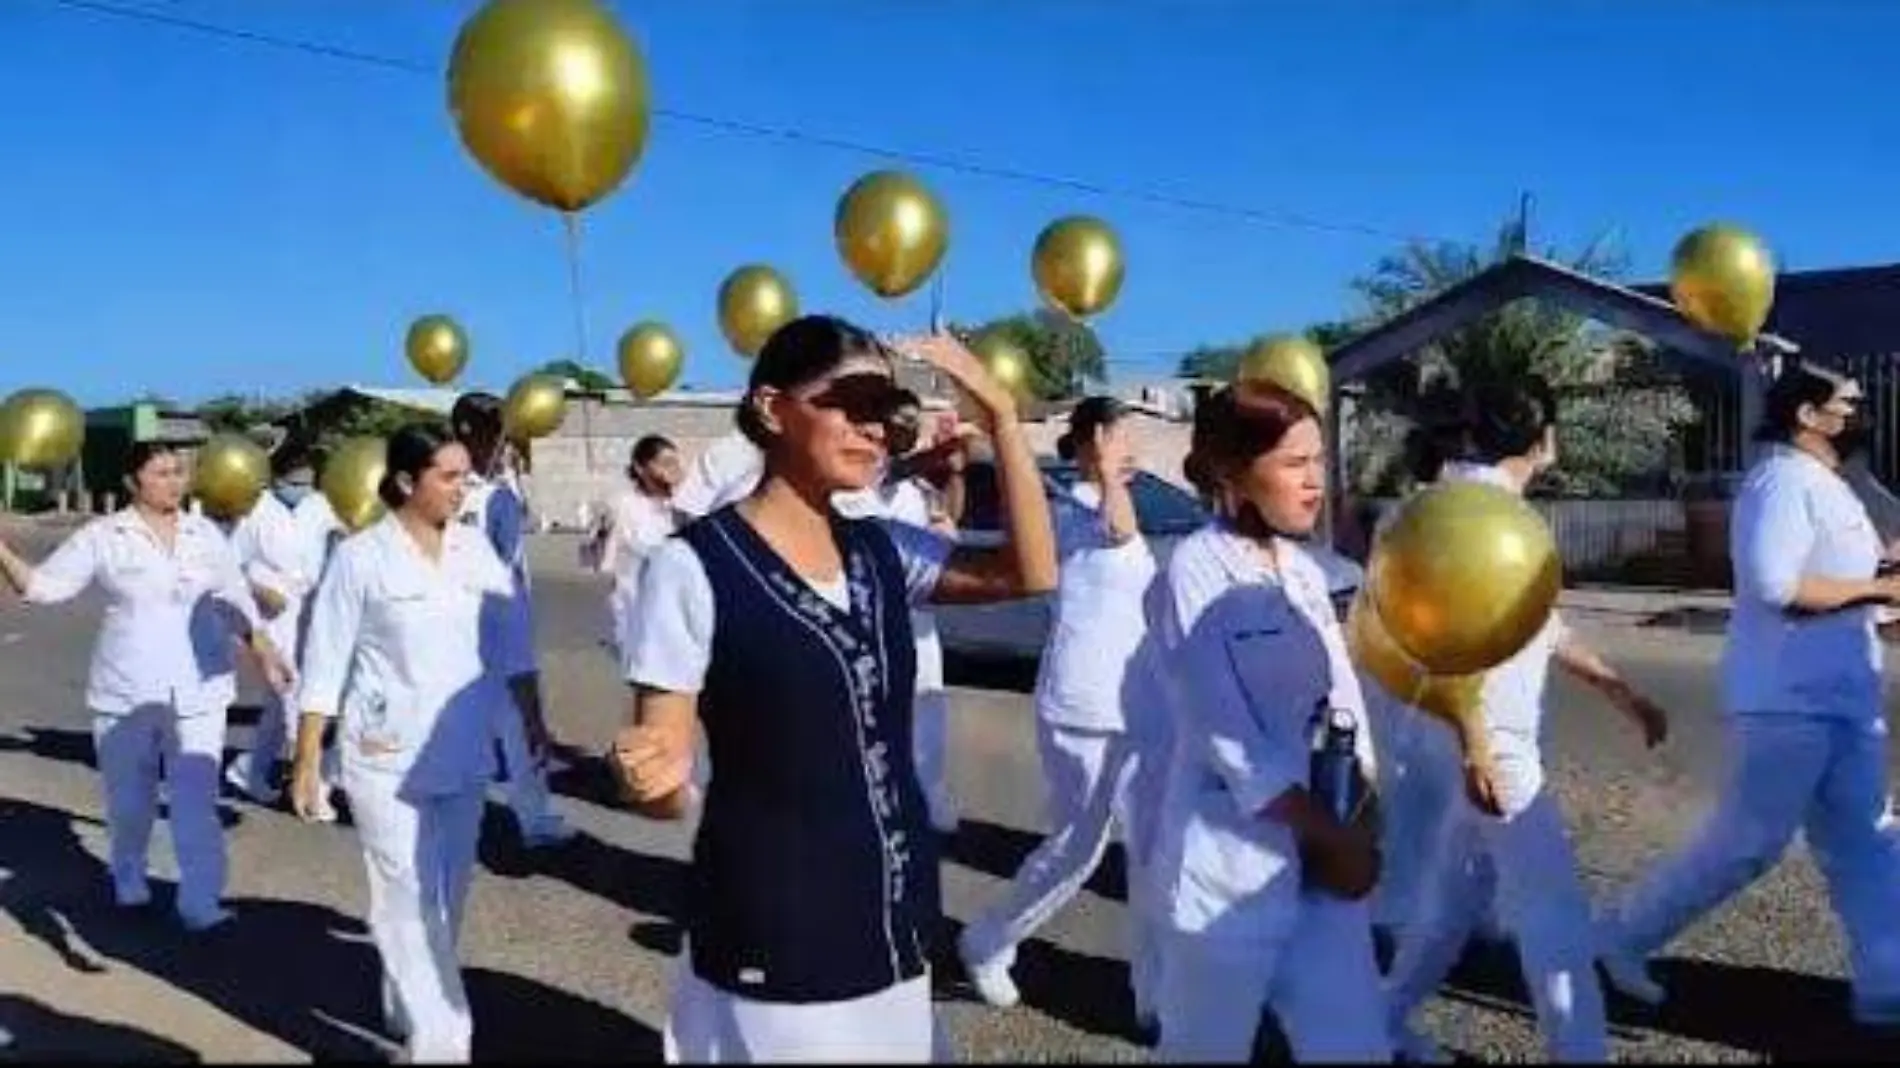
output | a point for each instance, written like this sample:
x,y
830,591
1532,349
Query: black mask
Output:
x,y
1853,438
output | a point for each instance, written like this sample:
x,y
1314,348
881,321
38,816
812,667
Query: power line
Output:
x,y
791,134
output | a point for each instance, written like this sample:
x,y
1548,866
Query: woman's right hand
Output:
x,y
648,768
306,790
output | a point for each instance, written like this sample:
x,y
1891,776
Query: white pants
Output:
x,y
136,751
527,781
420,855
1532,874
1090,778
1322,982
707,1025
930,727
1822,775
1419,782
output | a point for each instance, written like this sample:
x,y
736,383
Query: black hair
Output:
x,y
411,451
648,449
476,417
144,452
803,350
1506,418
1088,416
1800,384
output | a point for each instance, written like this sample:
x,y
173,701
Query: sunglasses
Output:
x,y
863,398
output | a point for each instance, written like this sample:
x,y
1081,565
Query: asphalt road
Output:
x,y
568,953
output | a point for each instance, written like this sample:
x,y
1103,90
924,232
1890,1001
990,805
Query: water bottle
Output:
x,y
1335,761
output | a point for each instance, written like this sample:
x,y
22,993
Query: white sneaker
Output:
x,y
1629,976
200,922
325,812
238,775
549,830
132,896
990,977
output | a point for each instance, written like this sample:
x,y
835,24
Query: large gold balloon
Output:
x,y
1006,361
534,408
650,359
550,97
1077,265
754,301
891,232
351,478
1453,698
437,348
1722,279
1464,576
40,430
229,474
1291,362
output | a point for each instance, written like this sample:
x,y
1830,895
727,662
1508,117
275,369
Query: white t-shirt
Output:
x,y
640,523
671,646
725,471
1099,620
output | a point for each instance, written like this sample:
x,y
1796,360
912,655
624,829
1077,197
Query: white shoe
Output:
x,y
1629,976
549,830
200,922
135,896
238,775
990,977
324,812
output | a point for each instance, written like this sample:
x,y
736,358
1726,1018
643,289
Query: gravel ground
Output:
x,y
568,952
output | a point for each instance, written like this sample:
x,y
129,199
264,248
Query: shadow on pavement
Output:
x,y
1012,674
75,747
1086,992
303,973
1693,619
644,883
1784,1015
43,1033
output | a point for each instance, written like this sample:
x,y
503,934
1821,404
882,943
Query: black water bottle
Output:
x,y
1335,761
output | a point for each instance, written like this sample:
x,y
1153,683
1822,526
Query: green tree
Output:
x,y
1620,411
585,377
235,412
1064,354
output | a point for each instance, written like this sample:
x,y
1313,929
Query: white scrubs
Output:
x,y
318,532
672,650
909,501
725,471
395,651
1091,749
637,524
274,559
161,682
494,509
1807,737
1255,651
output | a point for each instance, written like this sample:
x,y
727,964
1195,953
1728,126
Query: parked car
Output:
x,y
1164,513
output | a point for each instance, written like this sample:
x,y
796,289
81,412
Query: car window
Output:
x,y
1161,508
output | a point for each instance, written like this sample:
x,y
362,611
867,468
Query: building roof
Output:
x,y
1839,312
1624,307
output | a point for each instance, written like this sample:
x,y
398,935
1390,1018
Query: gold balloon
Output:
x,y
534,408
1294,364
891,232
350,480
1722,279
650,359
754,301
229,474
1452,698
1077,265
437,348
550,97
1006,361
40,430
1464,576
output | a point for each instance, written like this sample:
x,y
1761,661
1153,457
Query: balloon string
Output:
x,y
571,222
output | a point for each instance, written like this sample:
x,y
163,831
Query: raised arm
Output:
x,y
61,576
1026,564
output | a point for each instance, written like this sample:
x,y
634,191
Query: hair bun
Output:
x,y
1065,445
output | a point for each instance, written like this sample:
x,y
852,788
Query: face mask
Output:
x,y
291,493
1853,438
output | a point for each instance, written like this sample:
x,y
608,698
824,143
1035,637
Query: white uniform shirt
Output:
x,y
166,637
1099,621
1513,692
1253,653
273,555
395,650
1794,517
493,510
907,501
725,471
671,646
639,524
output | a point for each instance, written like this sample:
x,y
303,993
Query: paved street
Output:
x,y
568,953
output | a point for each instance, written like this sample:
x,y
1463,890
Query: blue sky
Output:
x,y
191,215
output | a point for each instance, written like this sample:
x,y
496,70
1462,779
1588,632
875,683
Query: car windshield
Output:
x,y
1161,508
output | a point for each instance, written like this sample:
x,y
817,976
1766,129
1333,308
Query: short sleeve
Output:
x,y
670,646
923,552
1078,528
1772,536
72,567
